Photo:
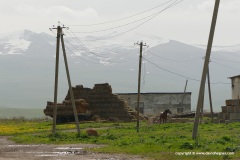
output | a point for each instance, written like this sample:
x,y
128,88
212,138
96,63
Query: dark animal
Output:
x,y
163,115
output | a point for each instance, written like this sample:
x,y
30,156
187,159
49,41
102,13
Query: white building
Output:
x,y
235,87
154,103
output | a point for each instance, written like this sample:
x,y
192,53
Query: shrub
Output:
x,y
186,145
226,138
92,132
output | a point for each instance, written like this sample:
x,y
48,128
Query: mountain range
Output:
x,y
27,66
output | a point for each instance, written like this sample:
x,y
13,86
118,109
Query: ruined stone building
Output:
x,y
101,101
154,103
122,106
231,110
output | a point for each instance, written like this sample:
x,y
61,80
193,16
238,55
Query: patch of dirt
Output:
x,y
12,151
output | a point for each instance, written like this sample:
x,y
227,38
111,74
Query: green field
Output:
x,y
158,141
21,112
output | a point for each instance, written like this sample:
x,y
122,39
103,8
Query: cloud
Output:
x,y
230,6
205,6
54,11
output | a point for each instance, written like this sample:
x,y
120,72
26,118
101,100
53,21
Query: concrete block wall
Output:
x,y
230,112
155,103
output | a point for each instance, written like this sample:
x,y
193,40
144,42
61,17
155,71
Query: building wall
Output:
x,y
101,101
235,87
155,103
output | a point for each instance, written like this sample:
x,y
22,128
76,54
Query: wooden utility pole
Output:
x,y
185,88
59,31
201,110
209,94
70,86
205,70
139,82
60,37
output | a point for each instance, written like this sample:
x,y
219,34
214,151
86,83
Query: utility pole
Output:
x,y
60,37
70,86
185,88
209,94
59,31
209,91
201,110
139,82
205,70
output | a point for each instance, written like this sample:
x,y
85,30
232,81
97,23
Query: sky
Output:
x,y
188,21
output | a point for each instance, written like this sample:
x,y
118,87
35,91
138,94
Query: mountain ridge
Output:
x,y
28,77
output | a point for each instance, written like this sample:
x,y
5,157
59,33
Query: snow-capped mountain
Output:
x,y
15,43
20,41
27,65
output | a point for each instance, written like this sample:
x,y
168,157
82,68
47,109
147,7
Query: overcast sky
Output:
x,y
188,21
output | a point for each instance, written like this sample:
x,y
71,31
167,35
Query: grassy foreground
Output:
x,y
164,141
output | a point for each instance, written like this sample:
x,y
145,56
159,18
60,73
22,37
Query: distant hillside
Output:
x,y
27,66
21,112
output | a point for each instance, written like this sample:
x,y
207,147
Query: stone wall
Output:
x,y
66,108
104,103
230,112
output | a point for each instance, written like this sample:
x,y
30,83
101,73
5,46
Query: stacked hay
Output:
x,y
104,103
65,108
79,92
230,112
108,105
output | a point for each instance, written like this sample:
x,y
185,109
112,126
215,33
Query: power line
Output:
x,y
170,71
225,66
83,45
225,60
124,17
75,54
88,50
100,58
171,5
119,25
81,53
179,74
77,49
172,59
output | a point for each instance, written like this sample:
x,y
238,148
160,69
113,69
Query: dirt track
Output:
x,y
12,151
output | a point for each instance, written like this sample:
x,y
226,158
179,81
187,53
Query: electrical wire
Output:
x,y
80,52
120,25
172,59
88,50
171,5
225,60
81,57
124,17
179,74
74,53
225,66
